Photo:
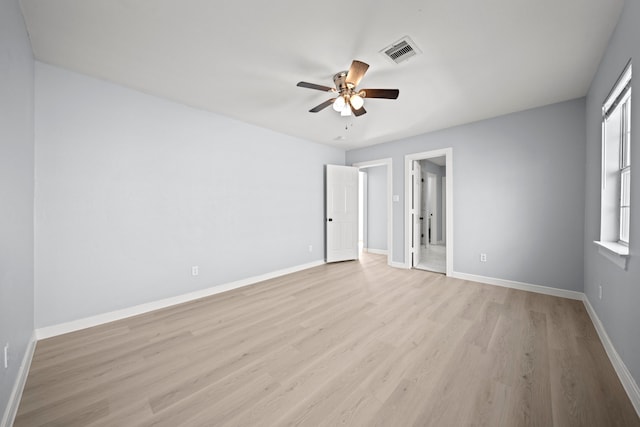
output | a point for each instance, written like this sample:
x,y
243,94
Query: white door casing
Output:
x,y
449,229
388,163
416,211
341,219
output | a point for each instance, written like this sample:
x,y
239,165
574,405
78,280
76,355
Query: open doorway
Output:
x,y
362,212
428,211
375,213
432,236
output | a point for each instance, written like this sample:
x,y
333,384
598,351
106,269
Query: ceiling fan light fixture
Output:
x,y
348,100
356,101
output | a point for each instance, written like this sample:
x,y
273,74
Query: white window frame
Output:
x,y
625,170
616,171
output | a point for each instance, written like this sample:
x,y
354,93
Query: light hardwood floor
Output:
x,y
355,343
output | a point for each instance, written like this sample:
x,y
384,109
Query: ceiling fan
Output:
x,y
349,99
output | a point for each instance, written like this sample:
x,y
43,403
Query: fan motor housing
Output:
x,y
340,81
342,85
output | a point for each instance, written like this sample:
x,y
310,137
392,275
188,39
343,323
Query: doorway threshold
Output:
x,y
433,269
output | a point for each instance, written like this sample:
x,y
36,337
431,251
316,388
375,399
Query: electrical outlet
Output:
x,y
600,292
310,248
483,257
6,356
194,270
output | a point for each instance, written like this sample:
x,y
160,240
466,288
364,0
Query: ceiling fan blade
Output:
x,y
359,112
380,93
315,86
322,106
357,70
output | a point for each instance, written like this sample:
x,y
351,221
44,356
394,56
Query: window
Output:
x,y
616,168
625,170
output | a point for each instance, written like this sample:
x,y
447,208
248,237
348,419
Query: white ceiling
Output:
x,y
480,58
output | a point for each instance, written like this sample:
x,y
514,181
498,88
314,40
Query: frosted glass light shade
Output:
x,y
338,104
357,102
346,110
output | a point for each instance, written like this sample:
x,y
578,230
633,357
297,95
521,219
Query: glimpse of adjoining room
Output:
x,y
432,216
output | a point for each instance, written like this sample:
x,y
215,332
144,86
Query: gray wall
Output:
x,y
133,190
16,193
618,309
377,207
518,193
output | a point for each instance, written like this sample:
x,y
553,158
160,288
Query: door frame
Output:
x,y
408,196
362,209
416,211
388,162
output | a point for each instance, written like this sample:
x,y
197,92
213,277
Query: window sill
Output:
x,y
614,252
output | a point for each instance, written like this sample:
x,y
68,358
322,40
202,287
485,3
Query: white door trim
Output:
x,y
388,162
408,159
416,212
363,220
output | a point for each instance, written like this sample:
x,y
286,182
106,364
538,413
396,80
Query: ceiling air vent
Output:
x,y
401,50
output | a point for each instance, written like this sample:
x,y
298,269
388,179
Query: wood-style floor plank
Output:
x,y
354,343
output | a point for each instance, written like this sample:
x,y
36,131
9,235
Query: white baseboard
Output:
x,y
627,380
629,384
75,325
563,293
376,251
16,392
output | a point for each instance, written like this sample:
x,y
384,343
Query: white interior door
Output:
x,y
444,210
416,209
341,213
